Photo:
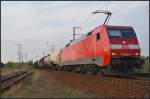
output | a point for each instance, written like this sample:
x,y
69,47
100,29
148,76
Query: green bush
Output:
x,y
9,64
146,66
30,63
14,65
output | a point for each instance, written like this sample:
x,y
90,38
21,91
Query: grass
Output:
x,y
13,67
8,69
40,87
145,68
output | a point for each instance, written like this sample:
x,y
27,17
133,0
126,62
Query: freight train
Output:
x,y
106,48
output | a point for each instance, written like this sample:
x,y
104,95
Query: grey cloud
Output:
x,y
35,23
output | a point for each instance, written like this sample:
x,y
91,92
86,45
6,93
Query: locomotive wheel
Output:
x,y
123,69
81,69
77,69
72,68
63,68
69,68
84,69
91,69
66,68
105,71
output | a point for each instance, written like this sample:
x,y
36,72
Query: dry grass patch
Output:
x,y
50,88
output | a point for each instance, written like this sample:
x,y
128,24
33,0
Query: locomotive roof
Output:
x,y
115,26
83,37
89,33
80,38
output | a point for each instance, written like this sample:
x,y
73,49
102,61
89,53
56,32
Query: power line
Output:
x,y
139,12
19,52
135,14
52,49
91,15
26,57
74,28
81,9
86,20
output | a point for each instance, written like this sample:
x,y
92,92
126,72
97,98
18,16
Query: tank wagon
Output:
x,y
51,61
41,63
47,61
55,58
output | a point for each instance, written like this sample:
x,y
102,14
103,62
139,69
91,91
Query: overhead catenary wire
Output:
x,y
138,13
117,9
82,8
91,15
134,14
88,19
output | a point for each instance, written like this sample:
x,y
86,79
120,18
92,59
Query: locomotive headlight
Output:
x,y
113,53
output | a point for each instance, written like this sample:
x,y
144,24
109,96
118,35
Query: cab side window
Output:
x,y
98,36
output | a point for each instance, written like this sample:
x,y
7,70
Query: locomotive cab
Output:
x,y
124,47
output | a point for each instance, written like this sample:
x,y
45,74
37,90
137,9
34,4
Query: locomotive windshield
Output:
x,y
122,33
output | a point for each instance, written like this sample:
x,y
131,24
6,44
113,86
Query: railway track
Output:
x,y
103,85
11,79
136,79
132,82
129,76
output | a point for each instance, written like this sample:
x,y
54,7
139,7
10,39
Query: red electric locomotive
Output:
x,y
104,48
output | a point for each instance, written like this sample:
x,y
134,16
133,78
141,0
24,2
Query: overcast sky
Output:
x,y
39,24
